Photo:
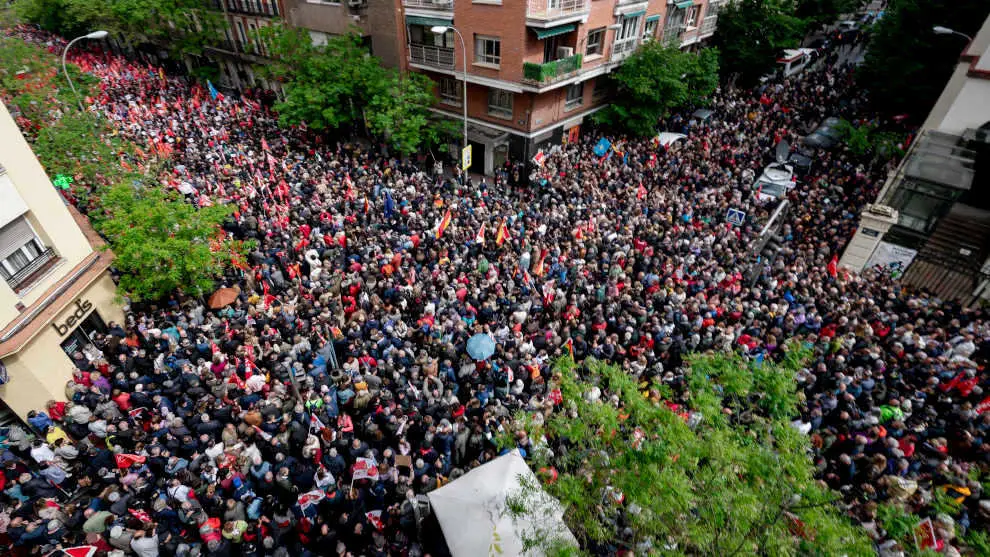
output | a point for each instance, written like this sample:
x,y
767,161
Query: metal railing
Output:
x,y
254,7
708,26
445,5
19,279
553,9
429,55
622,49
551,71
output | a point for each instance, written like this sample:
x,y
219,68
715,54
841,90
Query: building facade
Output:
x,y
931,220
536,69
56,290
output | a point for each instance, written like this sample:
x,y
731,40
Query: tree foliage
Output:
x,y
340,85
656,79
162,243
751,34
818,13
907,65
183,26
720,471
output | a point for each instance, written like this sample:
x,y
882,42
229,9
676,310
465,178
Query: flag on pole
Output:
x,y
640,191
315,425
310,498
127,460
364,468
833,266
444,223
502,235
375,519
214,94
549,292
479,238
78,551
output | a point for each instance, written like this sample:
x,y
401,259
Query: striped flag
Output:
x,y
502,235
479,238
375,519
444,223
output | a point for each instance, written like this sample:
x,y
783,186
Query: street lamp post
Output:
x,y
93,35
939,30
440,30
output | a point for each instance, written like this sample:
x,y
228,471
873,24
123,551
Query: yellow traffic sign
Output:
x,y
466,157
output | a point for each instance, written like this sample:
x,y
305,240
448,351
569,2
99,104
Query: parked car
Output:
x,y
777,179
825,136
801,160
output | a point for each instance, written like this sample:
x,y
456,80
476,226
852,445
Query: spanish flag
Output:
x,y
367,206
479,238
502,235
444,223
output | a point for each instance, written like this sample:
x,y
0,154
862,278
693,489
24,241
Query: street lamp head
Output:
x,y
939,30
439,29
97,35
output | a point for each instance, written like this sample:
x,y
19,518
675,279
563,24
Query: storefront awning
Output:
x,y
684,4
554,31
634,14
428,21
653,17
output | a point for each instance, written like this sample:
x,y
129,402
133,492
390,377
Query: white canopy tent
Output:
x,y
474,517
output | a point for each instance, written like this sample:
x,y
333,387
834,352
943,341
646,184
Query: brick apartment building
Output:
x,y
536,68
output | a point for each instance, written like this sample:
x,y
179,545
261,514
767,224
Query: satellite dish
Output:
x,y
783,150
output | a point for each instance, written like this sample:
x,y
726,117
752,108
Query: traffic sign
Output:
x,y
736,217
466,157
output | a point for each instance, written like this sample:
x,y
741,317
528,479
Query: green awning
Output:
x,y
634,14
554,31
428,21
684,4
653,17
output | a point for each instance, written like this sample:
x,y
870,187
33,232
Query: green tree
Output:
x,y
656,79
730,476
751,34
819,13
162,243
182,26
907,65
400,113
869,142
327,86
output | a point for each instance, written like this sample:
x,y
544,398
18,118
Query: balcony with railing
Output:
x,y
621,50
434,56
254,7
439,5
27,274
708,26
548,72
548,12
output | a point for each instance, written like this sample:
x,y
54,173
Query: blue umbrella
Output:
x,y
481,346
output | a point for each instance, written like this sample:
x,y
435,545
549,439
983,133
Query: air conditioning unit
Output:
x,y
357,3
565,51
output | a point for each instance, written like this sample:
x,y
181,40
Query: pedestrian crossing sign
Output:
x,y
736,217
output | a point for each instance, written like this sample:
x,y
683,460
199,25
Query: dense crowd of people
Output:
x,y
312,414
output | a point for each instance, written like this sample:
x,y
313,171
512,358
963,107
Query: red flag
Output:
x,y
310,498
444,223
479,238
367,206
127,460
375,519
549,293
983,406
140,515
264,145
833,266
78,551
640,191
924,534
364,468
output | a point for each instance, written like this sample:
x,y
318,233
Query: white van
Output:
x,y
795,60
